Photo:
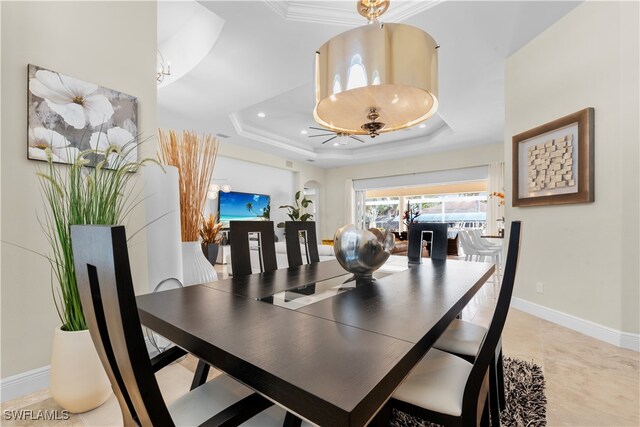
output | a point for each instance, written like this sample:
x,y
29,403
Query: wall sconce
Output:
x,y
161,73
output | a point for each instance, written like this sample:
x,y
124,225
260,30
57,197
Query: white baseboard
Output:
x,y
603,333
28,382
630,341
25,383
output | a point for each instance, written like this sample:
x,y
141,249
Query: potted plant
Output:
x,y
210,233
295,213
92,190
410,215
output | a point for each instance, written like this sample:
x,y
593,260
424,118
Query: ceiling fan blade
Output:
x,y
322,134
330,139
357,139
324,129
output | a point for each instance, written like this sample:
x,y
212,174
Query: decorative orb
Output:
x,y
360,252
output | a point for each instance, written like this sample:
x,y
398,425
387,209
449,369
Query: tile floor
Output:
x,y
588,382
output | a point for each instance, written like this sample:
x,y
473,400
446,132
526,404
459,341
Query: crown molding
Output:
x,y
355,153
268,138
402,10
279,7
320,13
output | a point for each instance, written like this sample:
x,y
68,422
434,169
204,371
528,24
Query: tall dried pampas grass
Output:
x,y
195,157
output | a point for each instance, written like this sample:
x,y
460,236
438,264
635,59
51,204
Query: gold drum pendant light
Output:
x,y
376,78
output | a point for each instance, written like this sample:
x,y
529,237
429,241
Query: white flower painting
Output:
x,y
70,116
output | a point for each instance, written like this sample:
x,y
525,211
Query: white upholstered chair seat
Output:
x,y
462,338
200,404
436,383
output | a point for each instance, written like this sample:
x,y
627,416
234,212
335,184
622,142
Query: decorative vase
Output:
x,y
78,381
164,242
196,268
360,252
210,251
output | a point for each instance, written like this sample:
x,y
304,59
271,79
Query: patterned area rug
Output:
x,y
524,390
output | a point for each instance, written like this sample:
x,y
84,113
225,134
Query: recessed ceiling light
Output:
x,y
422,126
262,115
304,132
335,144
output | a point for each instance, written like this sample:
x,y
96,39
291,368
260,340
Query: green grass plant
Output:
x,y
95,189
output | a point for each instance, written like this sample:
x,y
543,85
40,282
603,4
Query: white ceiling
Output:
x,y
263,62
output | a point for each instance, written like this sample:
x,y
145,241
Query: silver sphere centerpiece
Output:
x,y
360,251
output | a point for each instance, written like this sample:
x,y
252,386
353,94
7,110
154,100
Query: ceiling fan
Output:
x,y
334,133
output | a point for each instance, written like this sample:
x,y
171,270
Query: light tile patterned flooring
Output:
x,y
588,382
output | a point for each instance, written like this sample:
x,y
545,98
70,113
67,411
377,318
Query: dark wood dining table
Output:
x,y
334,361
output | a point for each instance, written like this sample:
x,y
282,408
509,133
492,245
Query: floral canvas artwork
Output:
x,y
69,116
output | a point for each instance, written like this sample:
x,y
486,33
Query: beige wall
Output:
x,y
335,199
112,44
586,255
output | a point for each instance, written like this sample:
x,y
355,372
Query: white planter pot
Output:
x,y
196,268
78,381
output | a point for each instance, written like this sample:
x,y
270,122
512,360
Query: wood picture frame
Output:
x,y
554,163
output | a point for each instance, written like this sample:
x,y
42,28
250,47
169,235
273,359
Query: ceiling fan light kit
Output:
x,y
343,137
376,78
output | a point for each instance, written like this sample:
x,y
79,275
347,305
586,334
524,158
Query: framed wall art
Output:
x,y
553,163
69,116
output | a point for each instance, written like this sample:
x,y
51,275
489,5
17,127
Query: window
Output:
x,y
458,210
382,212
462,210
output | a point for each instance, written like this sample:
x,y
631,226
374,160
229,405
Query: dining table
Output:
x,y
327,348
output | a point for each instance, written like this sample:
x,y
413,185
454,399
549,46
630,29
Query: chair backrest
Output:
x,y
476,239
475,234
487,349
101,263
438,241
467,247
241,250
293,231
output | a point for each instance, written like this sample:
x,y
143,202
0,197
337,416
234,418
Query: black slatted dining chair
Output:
x,y
103,274
297,232
463,339
439,241
239,234
448,390
265,247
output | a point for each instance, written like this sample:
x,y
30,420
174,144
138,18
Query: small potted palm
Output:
x,y
210,233
92,190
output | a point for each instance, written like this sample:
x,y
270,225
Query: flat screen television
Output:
x,y
236,206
